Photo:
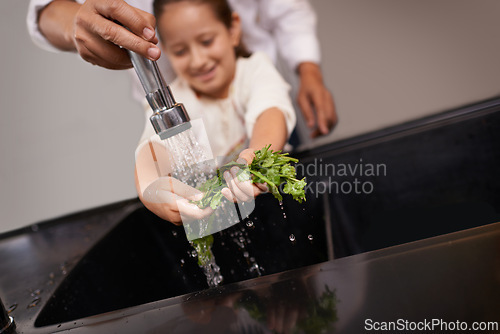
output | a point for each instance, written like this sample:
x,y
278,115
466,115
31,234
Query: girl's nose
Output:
x,y
198,58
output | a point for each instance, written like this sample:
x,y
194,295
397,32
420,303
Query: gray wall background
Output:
x,y
69,129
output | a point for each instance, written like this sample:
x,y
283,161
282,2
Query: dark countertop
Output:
x,y
454,277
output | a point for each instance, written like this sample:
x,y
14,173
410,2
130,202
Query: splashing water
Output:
x,y
241,239
212,272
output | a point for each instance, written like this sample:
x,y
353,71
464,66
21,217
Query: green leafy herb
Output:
x,y
270,167
203,247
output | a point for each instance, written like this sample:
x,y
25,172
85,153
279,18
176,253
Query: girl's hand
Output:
x,y
169,199
242,191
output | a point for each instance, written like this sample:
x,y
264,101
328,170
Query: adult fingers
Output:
x,y
102,53
137,21
96,30
331,110
318,102
119,35
305,106
325,112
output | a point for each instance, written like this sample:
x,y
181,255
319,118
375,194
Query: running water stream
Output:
x,y
192,164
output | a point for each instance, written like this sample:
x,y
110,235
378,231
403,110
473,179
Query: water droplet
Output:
x,y
63,268
292,237
310,237
249,224
174,233
245,254
182,262
34,302
255,267
284,215
11,308
35,293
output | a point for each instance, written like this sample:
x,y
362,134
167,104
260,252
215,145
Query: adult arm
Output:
x,y
293,25
91,29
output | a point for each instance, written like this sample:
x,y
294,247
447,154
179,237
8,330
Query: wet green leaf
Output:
x,y
269,167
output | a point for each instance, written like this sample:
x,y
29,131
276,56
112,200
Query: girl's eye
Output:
x,y
179,52
207,42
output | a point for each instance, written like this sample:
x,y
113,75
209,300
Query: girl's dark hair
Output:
x,y
221,9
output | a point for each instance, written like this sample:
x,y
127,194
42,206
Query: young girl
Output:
x,y
242,100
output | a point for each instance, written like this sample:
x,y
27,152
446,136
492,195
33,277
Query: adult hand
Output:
x,y
315,100
170,199
242,191
92,30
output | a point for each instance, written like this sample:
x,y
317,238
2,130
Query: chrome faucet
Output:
x,y
169,118
7,324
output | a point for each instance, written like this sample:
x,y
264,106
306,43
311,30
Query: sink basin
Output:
x,y
145,259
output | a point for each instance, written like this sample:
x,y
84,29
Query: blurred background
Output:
x,y
69,129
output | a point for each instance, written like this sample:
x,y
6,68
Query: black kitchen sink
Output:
x,y
145,259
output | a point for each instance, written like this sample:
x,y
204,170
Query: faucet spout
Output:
x,y
169,118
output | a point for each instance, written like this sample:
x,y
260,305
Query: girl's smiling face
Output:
x,y
200,47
